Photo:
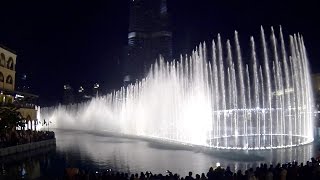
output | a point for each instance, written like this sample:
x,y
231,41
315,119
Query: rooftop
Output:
x,y
8,49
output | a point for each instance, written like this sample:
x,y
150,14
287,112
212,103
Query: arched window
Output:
x,y
2,60
9,80
10,63
1,77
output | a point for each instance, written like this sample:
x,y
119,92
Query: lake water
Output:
x,y
93,151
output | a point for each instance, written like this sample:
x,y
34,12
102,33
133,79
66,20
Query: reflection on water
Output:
x,y
31,165
93,151
132,155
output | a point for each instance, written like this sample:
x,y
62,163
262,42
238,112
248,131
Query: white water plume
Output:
x,y
211,99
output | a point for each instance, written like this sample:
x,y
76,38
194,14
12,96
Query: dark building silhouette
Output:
x,y
68,94
23,83
82,94
149,37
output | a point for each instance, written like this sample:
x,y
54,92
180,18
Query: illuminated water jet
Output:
x,y
211,99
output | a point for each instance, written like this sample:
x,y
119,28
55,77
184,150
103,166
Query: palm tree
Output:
x,y
10,118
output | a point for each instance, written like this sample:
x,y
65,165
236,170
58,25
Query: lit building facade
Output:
x,y
24,102
149,37
7,69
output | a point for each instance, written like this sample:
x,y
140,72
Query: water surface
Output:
x,y
97,151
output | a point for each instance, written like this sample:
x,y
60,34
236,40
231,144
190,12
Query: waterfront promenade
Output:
x,y
19,141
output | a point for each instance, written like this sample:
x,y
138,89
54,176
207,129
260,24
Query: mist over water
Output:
x,y
211,98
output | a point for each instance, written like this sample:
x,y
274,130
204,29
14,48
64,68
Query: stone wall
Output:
x,y
26,147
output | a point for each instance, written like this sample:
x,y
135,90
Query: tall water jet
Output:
x,y
212,99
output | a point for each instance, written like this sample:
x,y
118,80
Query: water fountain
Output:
x,y
211,98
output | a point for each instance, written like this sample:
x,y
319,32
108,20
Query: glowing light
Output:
x,y
19,96
67,87
81,89
96,86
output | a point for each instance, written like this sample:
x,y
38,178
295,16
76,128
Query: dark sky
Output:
x,y
80,42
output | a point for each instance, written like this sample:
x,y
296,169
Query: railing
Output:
x,y
24,137
19,105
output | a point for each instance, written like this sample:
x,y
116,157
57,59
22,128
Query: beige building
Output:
x,y
8,96
7,69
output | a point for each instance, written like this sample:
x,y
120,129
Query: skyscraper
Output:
x,y
149,37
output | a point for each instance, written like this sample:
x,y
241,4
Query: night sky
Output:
x,y
80,42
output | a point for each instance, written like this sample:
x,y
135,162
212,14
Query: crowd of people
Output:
x,y
17,137
288,171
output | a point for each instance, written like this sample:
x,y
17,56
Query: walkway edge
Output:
x,y
26,147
